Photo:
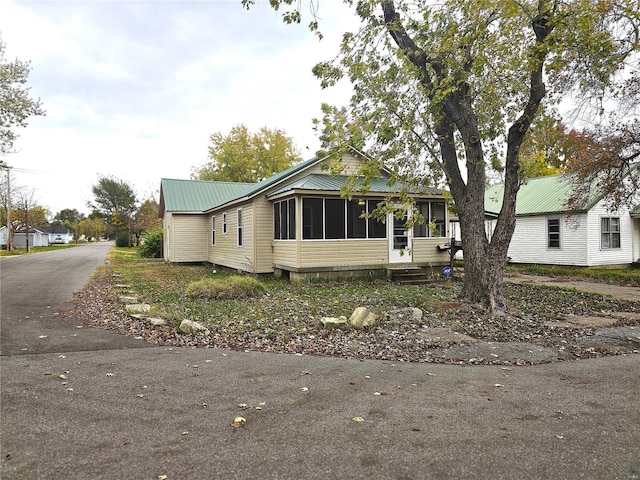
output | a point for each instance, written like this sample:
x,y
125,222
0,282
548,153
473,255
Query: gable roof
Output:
x,y
55,230
197,195
537,196
320,182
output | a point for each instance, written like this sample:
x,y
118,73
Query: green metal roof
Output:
x,y
322,182
198,195
538,195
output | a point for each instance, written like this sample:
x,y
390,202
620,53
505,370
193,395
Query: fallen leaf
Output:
x,y
42,336
431,374
560,437
162,477
109,374
185,433
358,419
238,422
243,405
498,385
62,356
140,395
304,389
63,377
47,373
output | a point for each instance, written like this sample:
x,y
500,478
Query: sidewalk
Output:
x,y
624,293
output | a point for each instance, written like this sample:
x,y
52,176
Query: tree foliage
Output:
x,y
242,156
16,106
606,162
444,91
113,199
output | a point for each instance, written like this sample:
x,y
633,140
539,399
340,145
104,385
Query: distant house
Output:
x,y
58,235
37,238
297,225
547,233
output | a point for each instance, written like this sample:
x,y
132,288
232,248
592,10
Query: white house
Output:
x,y
37,238
547,233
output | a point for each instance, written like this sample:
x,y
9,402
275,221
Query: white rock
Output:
x,y
334,322
410,314
193,328
362,317
138,308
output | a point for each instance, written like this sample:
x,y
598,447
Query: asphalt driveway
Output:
x,y
79,404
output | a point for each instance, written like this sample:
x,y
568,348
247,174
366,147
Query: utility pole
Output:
x,y
9,231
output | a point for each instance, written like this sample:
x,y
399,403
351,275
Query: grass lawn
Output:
x,y
23,250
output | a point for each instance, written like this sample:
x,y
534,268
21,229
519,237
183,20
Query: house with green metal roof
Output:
x,y
297,224
547,232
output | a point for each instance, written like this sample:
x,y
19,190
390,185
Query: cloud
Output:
x,y
134,89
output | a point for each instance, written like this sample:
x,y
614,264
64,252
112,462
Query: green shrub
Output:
x,y
122,239
235,286
151,246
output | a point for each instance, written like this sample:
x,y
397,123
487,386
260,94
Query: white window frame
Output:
x,y
549,235
610,233
240,237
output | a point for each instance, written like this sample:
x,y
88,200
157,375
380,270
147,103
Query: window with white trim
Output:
x,y
553,233
434,214
337,218
240,239
284,220
610,232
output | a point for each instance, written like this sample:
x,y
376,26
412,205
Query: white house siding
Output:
x,y
529,242
610,256
636,240
340,253
425,250
226,251
189,238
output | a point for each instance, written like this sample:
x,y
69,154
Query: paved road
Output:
x,y
35,288
143,413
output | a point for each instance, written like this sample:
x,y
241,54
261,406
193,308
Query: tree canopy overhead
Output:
x,y
448,90
16,106
242,156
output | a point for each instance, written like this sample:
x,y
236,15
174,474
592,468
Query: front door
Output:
x,y
400,239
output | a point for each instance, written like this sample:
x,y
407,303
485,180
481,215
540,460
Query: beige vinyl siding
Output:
x,y
226,251
285,253
425,250
339,253
189,238
263,227
167,243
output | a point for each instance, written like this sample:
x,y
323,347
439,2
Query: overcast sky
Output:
x,y
133,89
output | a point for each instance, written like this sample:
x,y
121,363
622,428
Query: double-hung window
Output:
x,y
553,233
610,232
213,231
240,239
224,223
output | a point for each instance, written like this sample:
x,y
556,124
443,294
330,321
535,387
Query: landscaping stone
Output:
x,y
138,308
335,322
193,328
441,336
362,317
156,321
129,299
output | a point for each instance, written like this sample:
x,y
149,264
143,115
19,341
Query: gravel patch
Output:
x,y
536,331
